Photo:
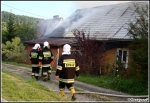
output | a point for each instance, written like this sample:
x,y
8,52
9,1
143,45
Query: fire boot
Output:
x,y
72,91
62,92
37,78
73,97
45,78
49,76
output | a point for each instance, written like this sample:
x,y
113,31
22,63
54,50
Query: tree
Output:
x,y
10,32
89,53
26,32
139,46
14,51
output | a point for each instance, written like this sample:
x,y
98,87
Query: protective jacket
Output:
x,y
46,57
67,68
33,56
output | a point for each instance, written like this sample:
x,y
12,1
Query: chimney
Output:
x,y
56,17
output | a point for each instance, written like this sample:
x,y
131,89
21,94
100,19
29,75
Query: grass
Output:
x,y
18,64
131,85
15,88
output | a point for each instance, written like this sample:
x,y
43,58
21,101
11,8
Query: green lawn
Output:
x,y
15,88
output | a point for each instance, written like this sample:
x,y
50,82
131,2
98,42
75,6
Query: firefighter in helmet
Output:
x,y
45,59
34,57
66,70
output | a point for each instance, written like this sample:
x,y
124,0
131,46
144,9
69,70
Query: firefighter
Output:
x,y
66,70
34,57
45,59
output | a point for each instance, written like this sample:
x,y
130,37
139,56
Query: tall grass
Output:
x,y
15,88
131,85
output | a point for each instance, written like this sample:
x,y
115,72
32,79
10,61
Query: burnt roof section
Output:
x,y
106,22
52,41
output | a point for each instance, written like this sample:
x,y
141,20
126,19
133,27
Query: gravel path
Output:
x,y
53,85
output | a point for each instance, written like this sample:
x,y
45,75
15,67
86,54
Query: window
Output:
x,y
122,56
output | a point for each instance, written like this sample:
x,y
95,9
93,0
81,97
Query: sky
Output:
x,y
48,9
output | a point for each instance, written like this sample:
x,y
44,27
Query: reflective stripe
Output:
x,y
46,65
40,57
52,57
59,67
34,65
77,68
61,88
47,54
32,74
68,60
71,87
34,55
44,73
69,63
49,71
36,74
66,80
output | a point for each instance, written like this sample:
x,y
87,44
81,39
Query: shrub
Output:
x,y
14,51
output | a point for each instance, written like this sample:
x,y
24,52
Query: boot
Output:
x,y
32,76
62,92
37,78
45,79
49,76
72,91
73,97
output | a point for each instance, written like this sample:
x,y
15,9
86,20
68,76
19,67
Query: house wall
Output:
x,y
110,54
109,59
55,51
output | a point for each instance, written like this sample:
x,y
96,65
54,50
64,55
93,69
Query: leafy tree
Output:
x,y
89,52
139,46
14,51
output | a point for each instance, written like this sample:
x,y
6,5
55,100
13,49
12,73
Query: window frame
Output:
x,y
127,56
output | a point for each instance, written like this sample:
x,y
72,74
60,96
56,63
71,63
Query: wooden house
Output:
x,y
110,22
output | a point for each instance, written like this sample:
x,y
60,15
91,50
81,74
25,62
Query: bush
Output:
x,y
14,51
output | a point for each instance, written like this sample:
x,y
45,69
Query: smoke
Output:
x,y
85,15
47,26
81,15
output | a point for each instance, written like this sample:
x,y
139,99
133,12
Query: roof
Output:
x,y
105,22
52,41
47,26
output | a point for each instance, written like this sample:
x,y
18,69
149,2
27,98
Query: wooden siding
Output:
x,y
109,58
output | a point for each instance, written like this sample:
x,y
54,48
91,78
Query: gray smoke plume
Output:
x,y
47,26
83,14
